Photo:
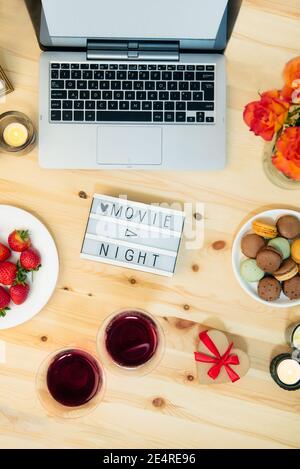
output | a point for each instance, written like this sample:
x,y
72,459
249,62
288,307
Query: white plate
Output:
x,y
238,257
44,280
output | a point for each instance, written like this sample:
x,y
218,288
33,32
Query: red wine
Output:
x,y
73,377
131,338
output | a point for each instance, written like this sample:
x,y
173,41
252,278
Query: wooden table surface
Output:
x,y
168,408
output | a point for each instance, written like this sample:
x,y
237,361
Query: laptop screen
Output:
x,y
134,19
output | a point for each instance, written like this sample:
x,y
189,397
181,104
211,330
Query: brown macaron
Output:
x,y
269,289
287,270
269,259
291,288
288,226
251,243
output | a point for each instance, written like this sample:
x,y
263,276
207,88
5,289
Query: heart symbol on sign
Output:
x,y
104,207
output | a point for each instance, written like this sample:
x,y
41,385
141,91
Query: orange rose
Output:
x,y
287,153
291,76
267,116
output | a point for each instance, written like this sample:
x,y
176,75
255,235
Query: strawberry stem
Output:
x,y
3,312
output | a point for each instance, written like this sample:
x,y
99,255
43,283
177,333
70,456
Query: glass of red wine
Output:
x,y
131,340
70,382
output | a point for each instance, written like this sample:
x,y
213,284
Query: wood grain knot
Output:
x,y
197,216
82,195
218,245
90,294
190,377
66,288
186,307
158,402
195,267
132,281
184,324
44,338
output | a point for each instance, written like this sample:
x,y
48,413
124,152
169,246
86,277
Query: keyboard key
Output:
x,y
144,76
113,67
183,85
121,75
65,66
141,95
132,67
169,117
67,104
93,85
90,105
180,116
67,115
112,104
94,66
123,105
119,95
138,85
172,85
180,106
58,94
84,94
84,66
115,85
200,106
151,67
132,75
101,104
78,115
155,76
135,105
74,66
161,85
171,67
208,89
169,106
103,66
129,94
57,84
142,67
167,76
186,96
106,94
87,74
197,96
76,74
175,95
90,115
152,95
55,115
163,95
97,94
64,74
104,85
98,75
81,84
205,76
180,67
209,119
55,65
110,75
122,67
178,76
161,67
189,76
55,104
78,104
191,119
147,105
200,116
195,85
126,85
209,67
126,116
158,116
190,67
54,74
149,85
158,106
200,67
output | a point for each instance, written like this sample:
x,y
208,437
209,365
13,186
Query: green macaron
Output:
x,y
250,271
282,245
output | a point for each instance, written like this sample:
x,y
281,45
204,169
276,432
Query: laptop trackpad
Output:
x,y
129,144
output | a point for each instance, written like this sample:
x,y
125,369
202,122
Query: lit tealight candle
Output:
x,y
296,337
15,134
288,371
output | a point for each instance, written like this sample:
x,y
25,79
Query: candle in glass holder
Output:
x,y
285,371
293,335
15,134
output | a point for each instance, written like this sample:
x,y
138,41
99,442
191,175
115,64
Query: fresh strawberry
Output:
x,y
19,293
5,252
8,273
19,240
4,301
30,260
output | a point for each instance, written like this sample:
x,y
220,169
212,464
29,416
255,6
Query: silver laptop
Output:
x,y
133,84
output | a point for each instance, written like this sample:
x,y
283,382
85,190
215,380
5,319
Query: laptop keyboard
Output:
x,y
152,93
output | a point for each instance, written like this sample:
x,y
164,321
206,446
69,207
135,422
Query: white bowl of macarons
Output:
x,y
266,257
